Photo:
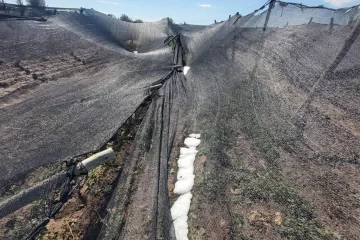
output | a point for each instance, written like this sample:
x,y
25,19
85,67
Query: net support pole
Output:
x,y
30,195
311,19
320,83
271,6
331,24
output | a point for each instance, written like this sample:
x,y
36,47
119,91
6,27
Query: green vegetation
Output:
x,y
126,18
94,176
44,59
262,190
22,7
36,3
300,219
301,229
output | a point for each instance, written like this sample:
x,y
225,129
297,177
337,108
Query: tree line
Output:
x,y
126,18
42,3
32,3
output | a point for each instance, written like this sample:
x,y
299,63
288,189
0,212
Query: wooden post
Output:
x,y
331,24
311,19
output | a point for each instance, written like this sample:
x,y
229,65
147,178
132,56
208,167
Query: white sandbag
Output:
x,y
194,135
181,206
186,161
185,185
185,176
187,151
192,143
183,171
181,228
186,69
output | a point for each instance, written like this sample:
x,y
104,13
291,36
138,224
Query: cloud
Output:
x,y
114,3
204,5
338,3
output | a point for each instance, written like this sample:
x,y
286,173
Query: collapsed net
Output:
x,y
274,95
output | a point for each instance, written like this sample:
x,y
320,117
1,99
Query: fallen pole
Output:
x,y
30,195
155,86
94,161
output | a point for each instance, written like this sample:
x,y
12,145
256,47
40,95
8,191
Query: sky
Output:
x,y
198,12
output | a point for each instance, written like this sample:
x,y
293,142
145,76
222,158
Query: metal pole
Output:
x,y
271,6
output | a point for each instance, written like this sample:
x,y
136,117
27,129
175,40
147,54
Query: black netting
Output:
x,y
274,95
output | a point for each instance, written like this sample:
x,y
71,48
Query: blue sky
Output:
x,y
199,12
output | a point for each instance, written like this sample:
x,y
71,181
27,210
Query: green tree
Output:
x,y
36,3
2,6
138,21
22,7
171,21
125,18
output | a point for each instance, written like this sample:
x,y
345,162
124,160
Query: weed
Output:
x,y
295,228
133,45
301,222
240,236
210,189
94,176
44,59
110,144
238,219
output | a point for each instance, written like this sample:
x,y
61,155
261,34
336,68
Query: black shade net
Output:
x,y
274,95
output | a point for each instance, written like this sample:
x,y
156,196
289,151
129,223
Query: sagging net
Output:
x,y
274,95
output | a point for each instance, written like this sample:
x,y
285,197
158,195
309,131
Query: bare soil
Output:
x,y
22,76
82,215
317,201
